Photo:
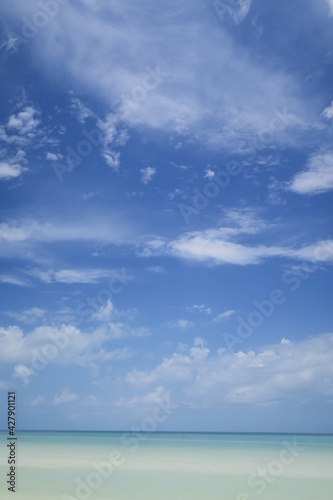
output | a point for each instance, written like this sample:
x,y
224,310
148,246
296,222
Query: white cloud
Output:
x,y
28,316
23,372
104,313
112,159
224,315
158,396
318,176
122,331
34,350
270,374
14,280
24,122
65,397
173,99
220,245
69,276
25,237
180,323
328,112
200,308
11,43
147,174
209,173
114,135
80,110
10,170
54,156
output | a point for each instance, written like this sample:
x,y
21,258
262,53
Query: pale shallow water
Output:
x,y
169,466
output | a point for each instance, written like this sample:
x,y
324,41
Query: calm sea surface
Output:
x,y
169,466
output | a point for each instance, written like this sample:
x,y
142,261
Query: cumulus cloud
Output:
x,y
104,313
24,122
10,170
270,374
33,350
158,396
65,397
317,177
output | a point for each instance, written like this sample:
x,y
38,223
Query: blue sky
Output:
x,y
166,175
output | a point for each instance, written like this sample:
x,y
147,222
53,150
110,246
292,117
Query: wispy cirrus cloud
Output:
x,y
223,316
10,279
179,101
69,276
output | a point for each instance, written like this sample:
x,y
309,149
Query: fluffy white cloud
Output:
x,y
24,122
32,351
318,176
10,170
104,313
54,156
65,397
269,375
160,395
23,372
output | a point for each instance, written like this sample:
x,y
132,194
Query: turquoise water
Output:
x,y
169,466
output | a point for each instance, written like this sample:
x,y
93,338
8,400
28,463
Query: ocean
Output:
x,y
168,466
